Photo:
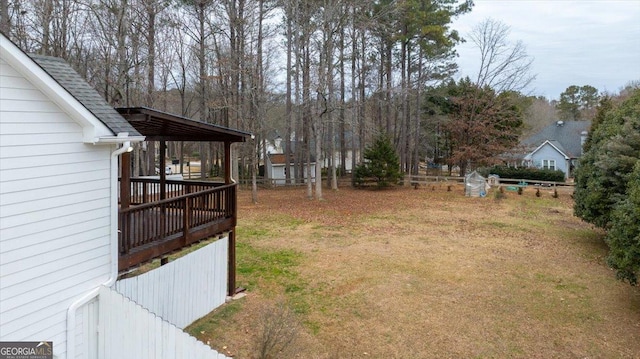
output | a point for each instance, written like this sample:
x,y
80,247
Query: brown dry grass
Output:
x,y
427,273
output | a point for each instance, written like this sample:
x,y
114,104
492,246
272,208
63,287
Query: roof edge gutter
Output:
x,y
122,137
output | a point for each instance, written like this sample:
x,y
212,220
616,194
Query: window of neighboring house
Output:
x,y
549,165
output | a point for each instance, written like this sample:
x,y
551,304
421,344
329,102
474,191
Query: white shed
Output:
x,y
275,169
58,195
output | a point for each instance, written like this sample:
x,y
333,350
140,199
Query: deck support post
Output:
x,y
231,265
231,262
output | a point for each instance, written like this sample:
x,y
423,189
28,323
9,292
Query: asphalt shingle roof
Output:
x,y
280,158
567,135
68,78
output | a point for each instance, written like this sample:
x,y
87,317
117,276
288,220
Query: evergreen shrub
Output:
x,y
381,165
535,174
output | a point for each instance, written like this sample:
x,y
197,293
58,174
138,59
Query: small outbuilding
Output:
x,y
475,185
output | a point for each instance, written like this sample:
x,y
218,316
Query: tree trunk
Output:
x,y
5,19
202,108
341,120
290,118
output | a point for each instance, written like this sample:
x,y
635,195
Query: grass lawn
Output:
x,y
424,273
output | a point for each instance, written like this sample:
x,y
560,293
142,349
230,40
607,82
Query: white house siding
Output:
x,y
276,173
54,213
199,279
547,152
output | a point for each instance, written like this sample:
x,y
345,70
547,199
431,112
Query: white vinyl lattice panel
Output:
x,y
184,290
128,330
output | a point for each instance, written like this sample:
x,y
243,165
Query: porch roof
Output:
x,y
161,126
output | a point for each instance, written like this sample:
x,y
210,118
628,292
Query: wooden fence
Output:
x,y
412,180
298,182
183,290
127,330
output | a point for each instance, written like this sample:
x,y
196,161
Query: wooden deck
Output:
x,y
190,212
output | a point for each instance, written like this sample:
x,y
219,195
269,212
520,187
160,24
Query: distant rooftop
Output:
x,y
564,134
281,158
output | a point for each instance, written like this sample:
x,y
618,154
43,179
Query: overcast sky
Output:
x,y
587,42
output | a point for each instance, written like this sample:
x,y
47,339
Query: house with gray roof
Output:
x,y
558,146
60,148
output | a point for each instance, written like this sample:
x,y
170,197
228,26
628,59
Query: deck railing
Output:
x,y
145,190
192,211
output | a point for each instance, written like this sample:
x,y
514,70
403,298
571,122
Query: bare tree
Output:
x,y
196,12
258,89
352,68
504,66
289,9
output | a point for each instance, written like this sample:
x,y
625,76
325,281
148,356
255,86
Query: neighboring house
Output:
x,y
272,143
557,146
275,163
60,240
276,170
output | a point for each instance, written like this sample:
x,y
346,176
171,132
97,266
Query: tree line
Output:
x,y
331,74
350,69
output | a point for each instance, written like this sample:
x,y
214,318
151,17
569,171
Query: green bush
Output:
x,y
524,173
607,192
624,236
603,174
359,176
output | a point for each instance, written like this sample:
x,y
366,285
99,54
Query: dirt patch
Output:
x,y
427,273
